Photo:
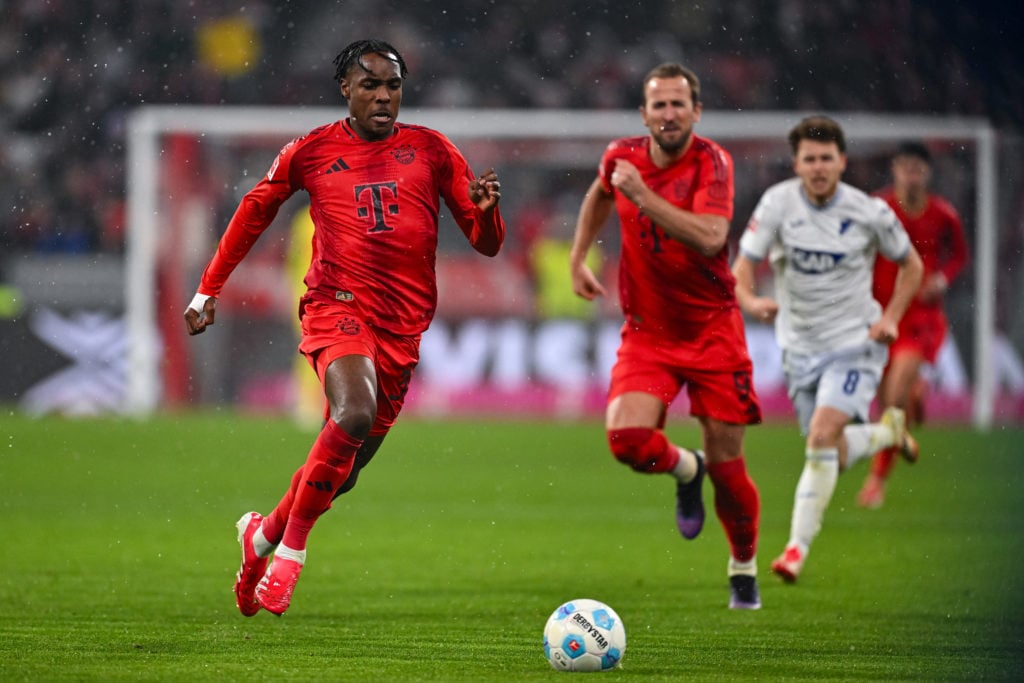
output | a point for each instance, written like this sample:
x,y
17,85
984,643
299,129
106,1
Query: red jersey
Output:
x,y
664,285
938,236
374,207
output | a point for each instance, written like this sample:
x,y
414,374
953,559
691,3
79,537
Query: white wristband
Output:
x,y
198,301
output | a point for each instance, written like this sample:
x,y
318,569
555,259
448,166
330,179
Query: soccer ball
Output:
x,y
584,635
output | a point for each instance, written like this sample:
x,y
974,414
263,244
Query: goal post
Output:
x,y
568,139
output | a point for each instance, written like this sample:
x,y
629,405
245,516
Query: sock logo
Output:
x,y
320,485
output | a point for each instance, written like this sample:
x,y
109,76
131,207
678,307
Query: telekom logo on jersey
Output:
x,y
814,262
376,192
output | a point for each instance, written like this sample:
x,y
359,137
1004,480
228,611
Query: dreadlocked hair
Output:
x,y
349,57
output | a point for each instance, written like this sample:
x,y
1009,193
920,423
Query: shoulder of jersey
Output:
x,y
944,205
628,144
416,129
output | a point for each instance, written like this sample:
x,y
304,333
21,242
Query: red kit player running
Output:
x,y
936,232
375,187
673,192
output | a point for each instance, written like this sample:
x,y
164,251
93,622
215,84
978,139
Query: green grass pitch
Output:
x,y
444,563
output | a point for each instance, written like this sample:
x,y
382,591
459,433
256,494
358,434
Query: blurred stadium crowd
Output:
x,y
71,70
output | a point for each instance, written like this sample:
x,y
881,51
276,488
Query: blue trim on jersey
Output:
x,y
831,200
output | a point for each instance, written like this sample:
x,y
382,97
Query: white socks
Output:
x,y
260,544
813,494
864,440
686,469
748,568
287,553
263,548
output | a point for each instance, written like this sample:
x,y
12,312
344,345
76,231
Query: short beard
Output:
x,y
672,148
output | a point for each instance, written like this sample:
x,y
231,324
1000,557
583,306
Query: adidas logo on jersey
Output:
x,y
338,165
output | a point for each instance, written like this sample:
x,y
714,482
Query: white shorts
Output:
x,y
846,380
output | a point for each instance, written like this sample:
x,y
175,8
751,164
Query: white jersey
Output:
x,y
823,259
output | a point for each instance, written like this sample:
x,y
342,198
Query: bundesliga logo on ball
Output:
x,y
584,635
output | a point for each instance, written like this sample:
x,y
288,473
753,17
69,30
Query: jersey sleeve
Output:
x,y
715,190
893,241
254,214
958,253
607,164
762,227
485,231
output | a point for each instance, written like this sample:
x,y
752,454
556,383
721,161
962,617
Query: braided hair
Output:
x,y
349,57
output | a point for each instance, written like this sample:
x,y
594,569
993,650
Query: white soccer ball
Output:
x,y
584,635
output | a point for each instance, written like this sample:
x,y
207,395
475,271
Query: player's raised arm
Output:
x,y
705,232
485,191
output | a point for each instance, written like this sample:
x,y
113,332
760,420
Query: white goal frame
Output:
x,y
148,123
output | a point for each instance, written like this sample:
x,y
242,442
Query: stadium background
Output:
x,y
71,73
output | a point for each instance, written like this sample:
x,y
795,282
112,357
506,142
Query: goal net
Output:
x,y
509,337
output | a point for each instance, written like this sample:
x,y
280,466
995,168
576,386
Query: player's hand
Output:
x,y
196,320
485,191
763,309
585,283
885,331
932,288
626,179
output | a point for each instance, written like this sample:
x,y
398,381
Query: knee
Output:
x,y
355,420
640,448
823,439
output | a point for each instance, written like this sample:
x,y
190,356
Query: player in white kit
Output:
x,y
821,237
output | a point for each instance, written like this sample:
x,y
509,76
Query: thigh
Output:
x,y
640,366
826,429
330,332
635,409
397,358
719,374
850,380
802,372
726,396
922,331
804,402
900,377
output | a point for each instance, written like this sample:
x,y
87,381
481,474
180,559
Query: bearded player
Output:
x,y
673,191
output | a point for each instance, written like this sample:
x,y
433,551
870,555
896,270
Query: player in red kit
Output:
x,y
375,187
673,192
936,232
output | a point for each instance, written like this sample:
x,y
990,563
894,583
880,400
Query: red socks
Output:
x,y
737,505
881,464
643,449
274,523
312,487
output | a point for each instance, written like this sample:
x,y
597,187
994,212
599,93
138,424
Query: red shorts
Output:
x,y
715,367
922,331
330,331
